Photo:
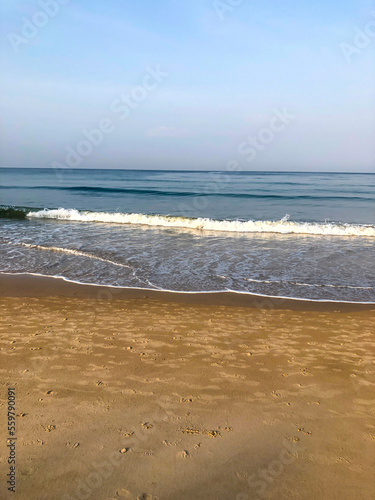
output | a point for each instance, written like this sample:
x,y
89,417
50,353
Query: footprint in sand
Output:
x,y
124,450
147,425
124,493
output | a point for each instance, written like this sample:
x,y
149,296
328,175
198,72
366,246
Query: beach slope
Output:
x,y
145,398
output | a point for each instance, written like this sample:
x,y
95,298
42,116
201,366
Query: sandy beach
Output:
x,y
187,229
145,398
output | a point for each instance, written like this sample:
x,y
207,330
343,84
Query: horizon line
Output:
x,y
196,170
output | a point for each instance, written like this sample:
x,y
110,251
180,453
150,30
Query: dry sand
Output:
x,y
144,398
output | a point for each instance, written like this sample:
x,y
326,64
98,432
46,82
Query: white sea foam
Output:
x,y
312,285
276,298
87,255
283,226
74,252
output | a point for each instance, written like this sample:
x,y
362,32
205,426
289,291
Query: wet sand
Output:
x,y
33,285
139,397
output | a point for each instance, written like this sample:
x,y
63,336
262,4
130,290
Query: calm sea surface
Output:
x,y
302,235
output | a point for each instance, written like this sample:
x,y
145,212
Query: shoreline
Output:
x,y
37,285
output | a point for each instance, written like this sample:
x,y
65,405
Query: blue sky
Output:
x,y
226,76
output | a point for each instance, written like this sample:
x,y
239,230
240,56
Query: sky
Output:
x,y
194,84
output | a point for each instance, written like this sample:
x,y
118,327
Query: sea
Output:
x,y
279,234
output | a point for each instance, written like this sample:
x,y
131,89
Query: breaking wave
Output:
x,y
283,226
